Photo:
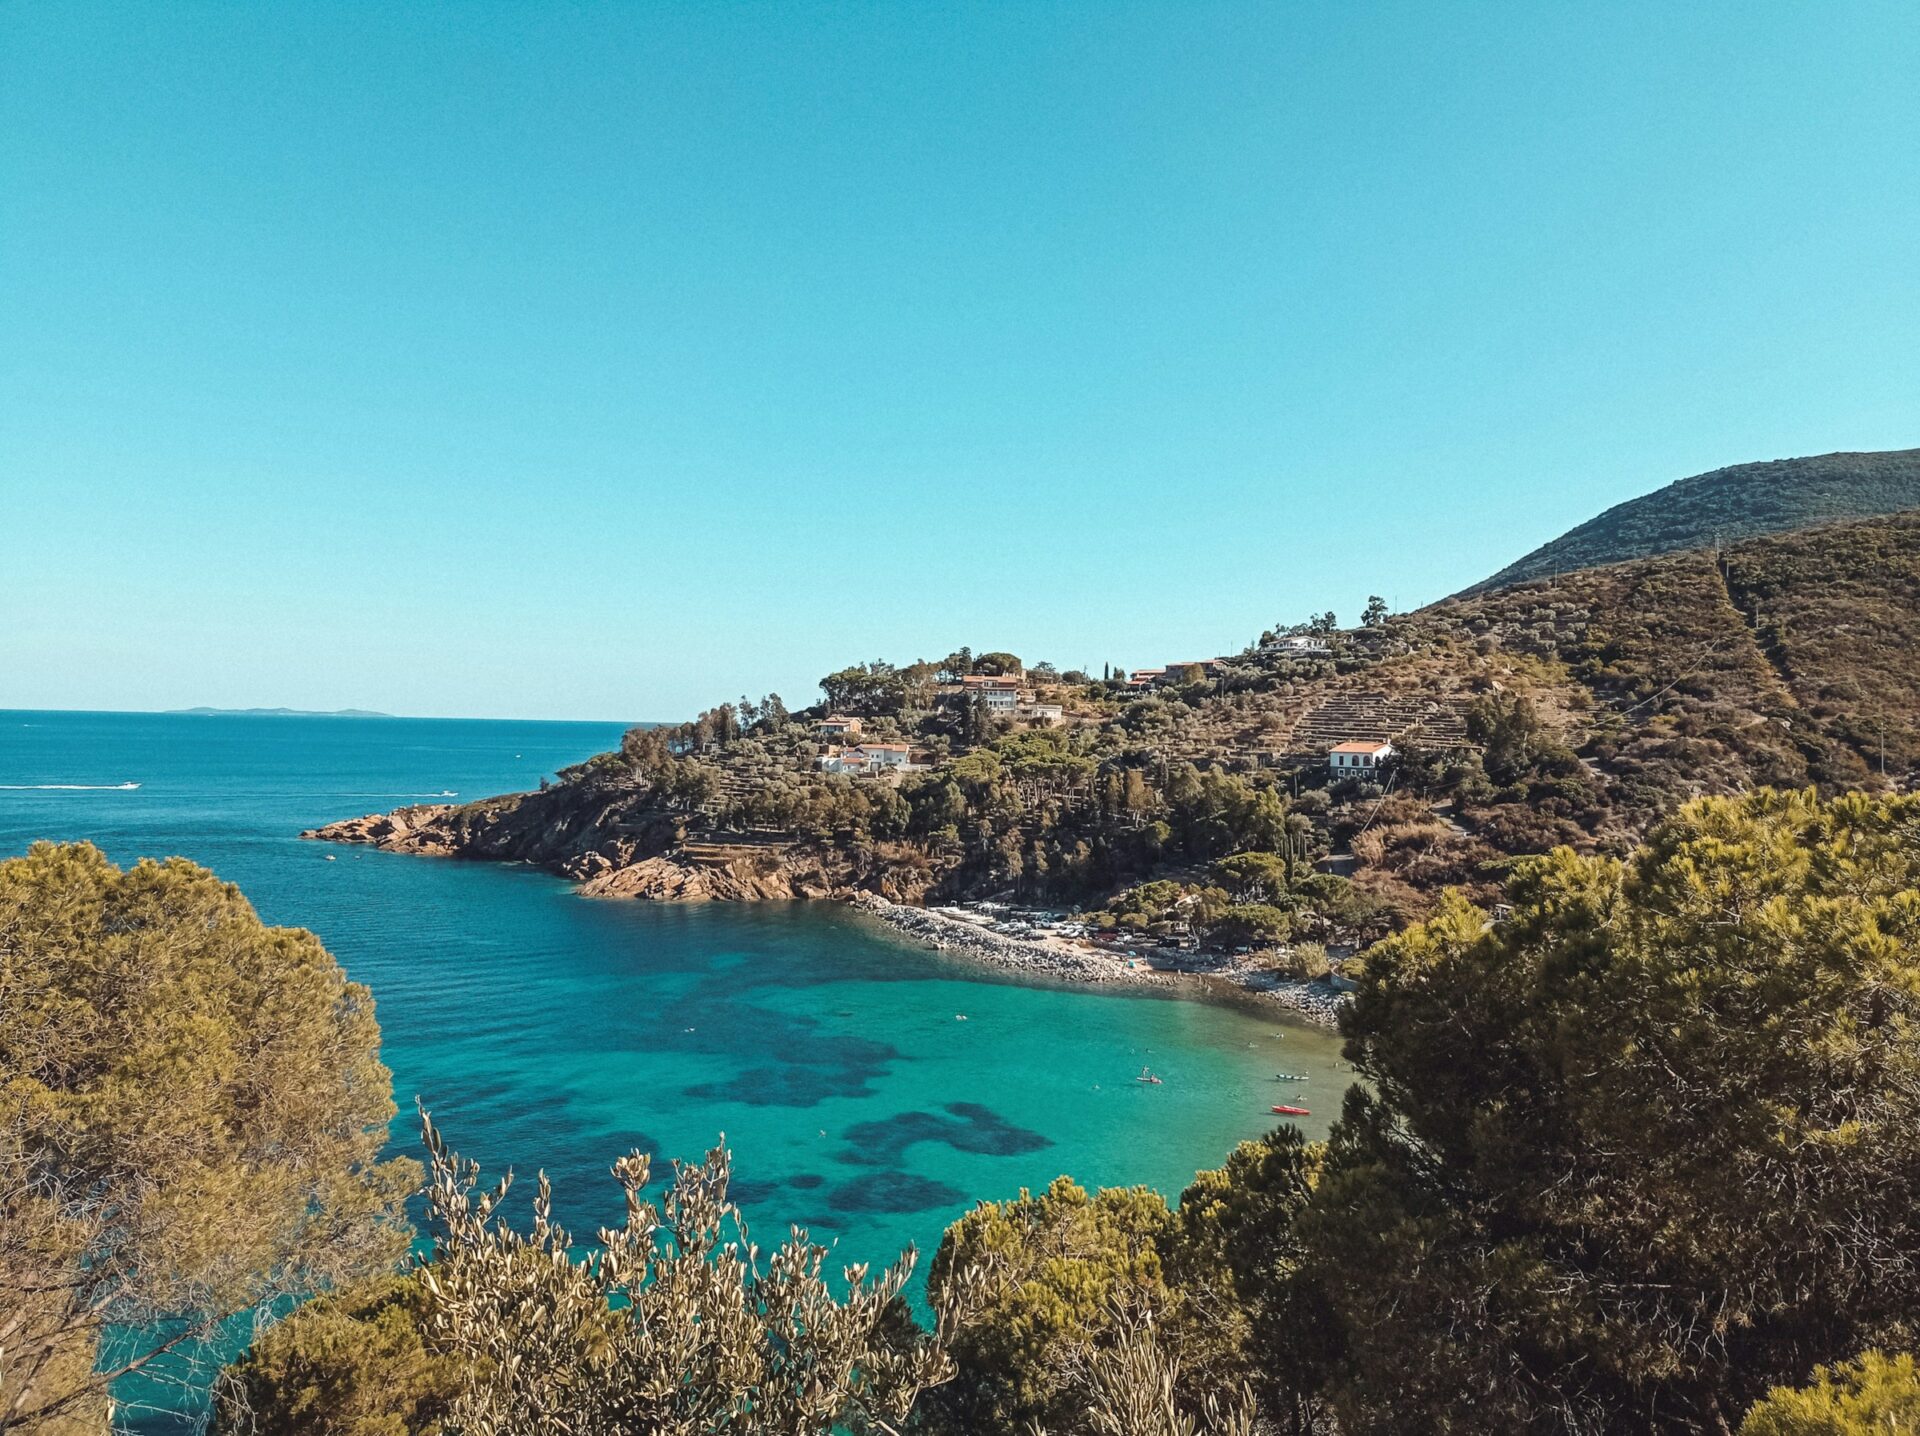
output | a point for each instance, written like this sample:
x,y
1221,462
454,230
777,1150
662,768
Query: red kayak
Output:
x,y
1293,1111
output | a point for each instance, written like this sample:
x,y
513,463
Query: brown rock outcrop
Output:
x,y
599,838
674,879
405,830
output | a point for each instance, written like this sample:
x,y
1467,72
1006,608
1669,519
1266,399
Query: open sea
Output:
x,y
545,1030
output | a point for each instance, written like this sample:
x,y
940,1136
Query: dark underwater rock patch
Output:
x,y
893,1192
967,1127
786,1086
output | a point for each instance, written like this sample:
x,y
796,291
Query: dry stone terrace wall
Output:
x,y
1377,717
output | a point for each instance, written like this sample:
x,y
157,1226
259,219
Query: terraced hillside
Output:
x,y
1800,650
1835,615
1729,505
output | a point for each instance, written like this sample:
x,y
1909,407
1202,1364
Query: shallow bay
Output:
x,y
870,1089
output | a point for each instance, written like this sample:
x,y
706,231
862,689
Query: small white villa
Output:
x,y
1354,760
866,759
1298,645
999,694
839,727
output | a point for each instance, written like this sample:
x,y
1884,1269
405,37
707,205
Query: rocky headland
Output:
x,y
597,840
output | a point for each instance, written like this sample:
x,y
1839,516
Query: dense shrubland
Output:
x,y
1628,1159
1646,1147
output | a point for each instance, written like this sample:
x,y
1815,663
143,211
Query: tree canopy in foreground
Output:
x,y
191,1111
1628,1159
1644,1149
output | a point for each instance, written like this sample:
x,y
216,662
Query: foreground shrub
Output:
x,y
1056,1275
1648,1148
351,1363
1135,1387
1250,1315
1878,1395
1108,1312
674,1327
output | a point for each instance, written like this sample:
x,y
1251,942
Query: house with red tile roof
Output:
x,y
1357,759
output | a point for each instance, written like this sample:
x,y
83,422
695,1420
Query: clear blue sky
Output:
x,y
611,360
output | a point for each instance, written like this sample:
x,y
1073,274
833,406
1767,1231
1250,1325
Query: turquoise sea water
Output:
x,y
548,1030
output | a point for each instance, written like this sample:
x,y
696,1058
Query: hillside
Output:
x,y
1727,505
1571,711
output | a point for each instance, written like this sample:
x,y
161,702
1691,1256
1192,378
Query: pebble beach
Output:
x,y
972,934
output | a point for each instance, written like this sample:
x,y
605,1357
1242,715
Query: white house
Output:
x,y
1051,714
1357,760
839,727
1298,645
1001,695
866,759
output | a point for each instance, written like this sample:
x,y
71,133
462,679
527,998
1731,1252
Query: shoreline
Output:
x,y
1067,960
974,932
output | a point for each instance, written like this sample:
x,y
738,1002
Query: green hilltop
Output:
x,y
1727,505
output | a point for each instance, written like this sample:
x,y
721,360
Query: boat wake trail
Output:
x,y
67,787
443,793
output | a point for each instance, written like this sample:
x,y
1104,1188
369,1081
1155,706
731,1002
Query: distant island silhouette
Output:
x,y
277,713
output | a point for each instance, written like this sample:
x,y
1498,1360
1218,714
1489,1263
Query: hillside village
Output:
x,y
1014,700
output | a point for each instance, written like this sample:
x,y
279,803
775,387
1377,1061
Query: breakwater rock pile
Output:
x,y
1318,1002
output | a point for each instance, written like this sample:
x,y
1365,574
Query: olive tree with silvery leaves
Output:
x,y
674,1327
